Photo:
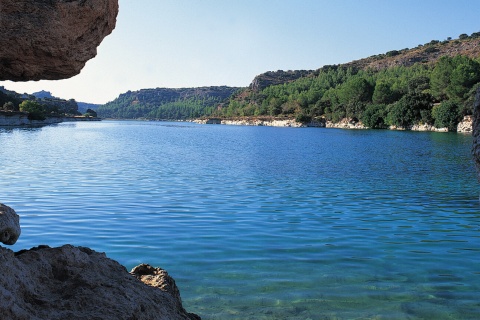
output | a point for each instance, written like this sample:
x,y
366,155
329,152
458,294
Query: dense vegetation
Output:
x,y
39,107
439,94
164,103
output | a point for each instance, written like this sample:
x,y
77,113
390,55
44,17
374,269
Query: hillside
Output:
x,y
165,103
431,84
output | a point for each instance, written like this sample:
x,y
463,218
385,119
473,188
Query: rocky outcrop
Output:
x,y
466,125
9,225
476,132
272,78
51,39
78,283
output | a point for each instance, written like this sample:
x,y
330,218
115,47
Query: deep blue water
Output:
x,y
261,222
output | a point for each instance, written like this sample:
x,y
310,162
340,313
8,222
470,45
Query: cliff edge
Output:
x,y
52,39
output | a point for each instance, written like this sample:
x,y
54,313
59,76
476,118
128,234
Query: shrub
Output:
x,y
446,115
35,110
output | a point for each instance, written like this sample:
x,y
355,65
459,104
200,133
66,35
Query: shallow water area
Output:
x,y
261,222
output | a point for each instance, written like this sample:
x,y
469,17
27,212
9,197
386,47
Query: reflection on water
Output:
x,y
261,223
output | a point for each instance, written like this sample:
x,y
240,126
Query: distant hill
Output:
x,y
43,94
165,103
428,53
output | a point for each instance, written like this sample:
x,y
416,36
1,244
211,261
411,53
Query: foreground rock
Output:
x,y
9,225
79,283
476,132
51,39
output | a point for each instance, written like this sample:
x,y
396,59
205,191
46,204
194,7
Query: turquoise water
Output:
x,y
259,222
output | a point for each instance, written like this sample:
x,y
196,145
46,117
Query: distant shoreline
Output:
x,y
20,119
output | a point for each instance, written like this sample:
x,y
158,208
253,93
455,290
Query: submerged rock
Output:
x,y
78,283
51,39
9,225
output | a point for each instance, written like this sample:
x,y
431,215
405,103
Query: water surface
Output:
x,y
261,222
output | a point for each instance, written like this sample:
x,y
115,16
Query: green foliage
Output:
x,y
168,104
374,116
90,113
412,108
447,115
452,78
35,110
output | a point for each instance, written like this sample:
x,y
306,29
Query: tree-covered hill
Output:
x,y
165,103
431,84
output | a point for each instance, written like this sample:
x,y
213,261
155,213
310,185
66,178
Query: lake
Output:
x,y
261,222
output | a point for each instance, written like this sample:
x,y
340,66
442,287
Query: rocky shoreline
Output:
x,y
465,126
78,283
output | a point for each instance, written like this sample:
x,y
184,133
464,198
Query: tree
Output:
x,y
446,115
35,110
91,113
440,78
383,93
465,74
374,116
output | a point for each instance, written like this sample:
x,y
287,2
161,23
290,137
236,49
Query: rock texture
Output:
x,y
476,132
466,125
51,39
9,225
79,283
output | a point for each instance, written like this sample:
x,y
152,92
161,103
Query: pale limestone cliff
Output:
x,y
51,39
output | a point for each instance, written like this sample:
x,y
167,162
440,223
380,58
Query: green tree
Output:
x,y
383,93
91,113
447,115
374,116
35,110
440,78
463,77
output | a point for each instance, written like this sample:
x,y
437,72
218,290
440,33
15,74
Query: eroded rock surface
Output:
x,y
9,225
79,283
51,39
476,132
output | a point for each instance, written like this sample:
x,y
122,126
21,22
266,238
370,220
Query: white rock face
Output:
x,y
466,125
9,225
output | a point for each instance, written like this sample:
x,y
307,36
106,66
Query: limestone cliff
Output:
x,y
51,39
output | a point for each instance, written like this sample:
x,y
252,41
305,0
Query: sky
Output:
x,y
195,43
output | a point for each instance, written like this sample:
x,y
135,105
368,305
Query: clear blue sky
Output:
x,y
193,43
